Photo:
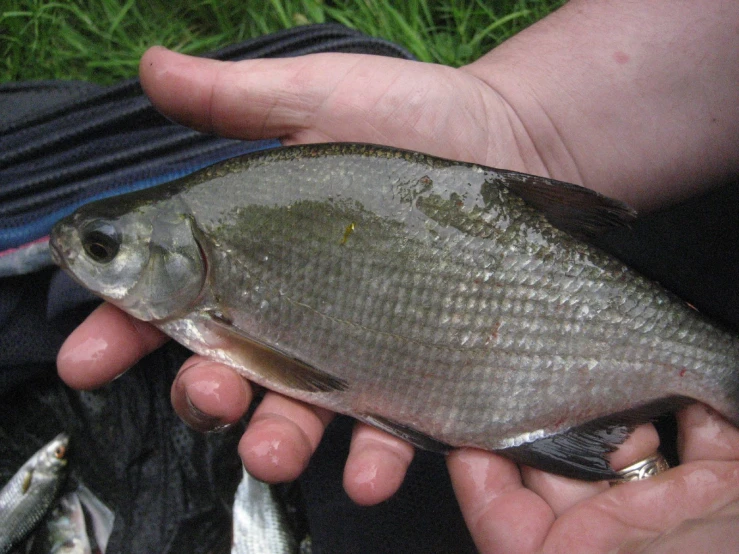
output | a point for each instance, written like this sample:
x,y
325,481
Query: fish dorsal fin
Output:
x,y
580,452
577,210
275,366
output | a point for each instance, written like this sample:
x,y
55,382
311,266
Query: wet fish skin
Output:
x,y
64,530
259,520
27,497
448,303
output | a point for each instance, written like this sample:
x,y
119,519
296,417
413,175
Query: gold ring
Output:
x,y
643,469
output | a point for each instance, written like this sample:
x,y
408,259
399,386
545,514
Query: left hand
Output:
x,y
691,508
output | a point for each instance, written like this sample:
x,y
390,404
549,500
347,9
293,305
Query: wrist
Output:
x,y
634,100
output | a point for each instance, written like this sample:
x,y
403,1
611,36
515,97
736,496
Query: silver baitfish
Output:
x,y
260,523
448,303
27,497
79,523
64,530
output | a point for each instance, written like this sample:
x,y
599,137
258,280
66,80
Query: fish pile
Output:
x,y
448,303
34,518
26,498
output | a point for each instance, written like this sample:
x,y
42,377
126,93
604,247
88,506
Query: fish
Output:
x,y
99,518
260,523
78,523
64,530
447,303
30,493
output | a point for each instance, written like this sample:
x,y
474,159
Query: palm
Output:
x,y
696,502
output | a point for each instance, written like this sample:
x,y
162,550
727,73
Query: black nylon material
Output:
x,y
45,155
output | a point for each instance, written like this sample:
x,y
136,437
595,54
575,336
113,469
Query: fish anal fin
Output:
x,y
576,453
581,452
275,366
407,433
577,210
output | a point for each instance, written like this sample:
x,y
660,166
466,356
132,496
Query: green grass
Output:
x,y
102,40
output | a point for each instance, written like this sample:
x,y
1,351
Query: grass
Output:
x,y
102,40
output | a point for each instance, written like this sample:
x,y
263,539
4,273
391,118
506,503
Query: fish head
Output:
x,y
141,255
53,457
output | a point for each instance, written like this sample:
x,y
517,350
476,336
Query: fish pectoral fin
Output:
x,y
580,452
408,434
275,366
577,210
27,478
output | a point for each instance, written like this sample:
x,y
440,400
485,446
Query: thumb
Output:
x,y
265,98
332,97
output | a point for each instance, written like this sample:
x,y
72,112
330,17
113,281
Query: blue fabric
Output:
x,y
81,142
14,233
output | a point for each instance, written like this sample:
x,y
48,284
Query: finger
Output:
x,y
629,517
501,514
641,443
376,465
209,396
105,345
256,98
281,437
247,99
331,97
562,493
704,435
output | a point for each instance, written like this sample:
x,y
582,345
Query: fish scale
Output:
x,y
459,302
447,303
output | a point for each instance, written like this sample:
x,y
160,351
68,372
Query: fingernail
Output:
x,y
193,416
200,421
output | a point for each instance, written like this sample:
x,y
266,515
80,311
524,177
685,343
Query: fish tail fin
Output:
x,y
724,396
731,386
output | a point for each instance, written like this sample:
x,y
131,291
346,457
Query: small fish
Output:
x,y
259,520
27,497
448,303
98,516
64,530
78,523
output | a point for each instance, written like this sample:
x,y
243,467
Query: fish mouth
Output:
x,y
61,255
56,256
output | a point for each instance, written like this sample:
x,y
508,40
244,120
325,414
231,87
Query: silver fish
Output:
x,y
100,518
259,520
27,497
64,530
79,523
448,303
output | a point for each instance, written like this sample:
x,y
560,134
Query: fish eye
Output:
x,y
60,452
101,241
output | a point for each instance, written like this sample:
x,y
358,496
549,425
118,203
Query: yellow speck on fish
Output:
x,y
27,482
348,231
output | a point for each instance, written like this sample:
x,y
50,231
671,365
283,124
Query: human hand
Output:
x,y
691,508
490,113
